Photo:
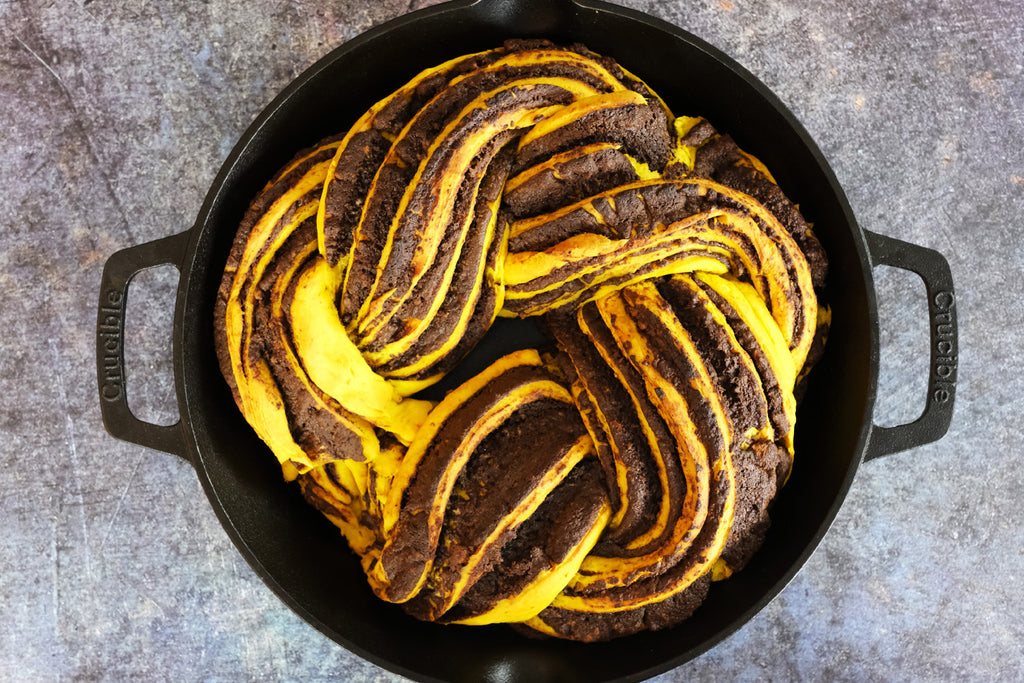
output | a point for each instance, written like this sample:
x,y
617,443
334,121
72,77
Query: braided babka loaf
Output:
x,y
589,489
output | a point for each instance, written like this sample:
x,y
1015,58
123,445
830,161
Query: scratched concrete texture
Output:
x,y
114,118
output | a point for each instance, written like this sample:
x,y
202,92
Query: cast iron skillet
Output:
x,y
303,558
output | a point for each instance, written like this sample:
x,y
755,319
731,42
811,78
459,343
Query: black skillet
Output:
x,y
303,558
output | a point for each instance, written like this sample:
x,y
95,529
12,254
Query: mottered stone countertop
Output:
x,y
114,118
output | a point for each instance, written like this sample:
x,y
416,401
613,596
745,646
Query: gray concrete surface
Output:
x,y
114,118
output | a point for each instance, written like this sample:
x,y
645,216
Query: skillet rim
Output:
x,y
198,259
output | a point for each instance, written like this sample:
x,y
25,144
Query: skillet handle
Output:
x,y
117,275
938,280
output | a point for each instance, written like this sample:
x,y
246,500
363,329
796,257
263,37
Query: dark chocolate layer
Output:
x,y
543,541
413,542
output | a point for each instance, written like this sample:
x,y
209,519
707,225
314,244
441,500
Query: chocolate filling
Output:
x,y
642,128
502,471
320,434
622,432
412,223
591,627
569,181
413,542
542,542
679,371
740,390
476,194
631,392
577,284
746,339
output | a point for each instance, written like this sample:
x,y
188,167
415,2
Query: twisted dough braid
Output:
x,y
588,491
